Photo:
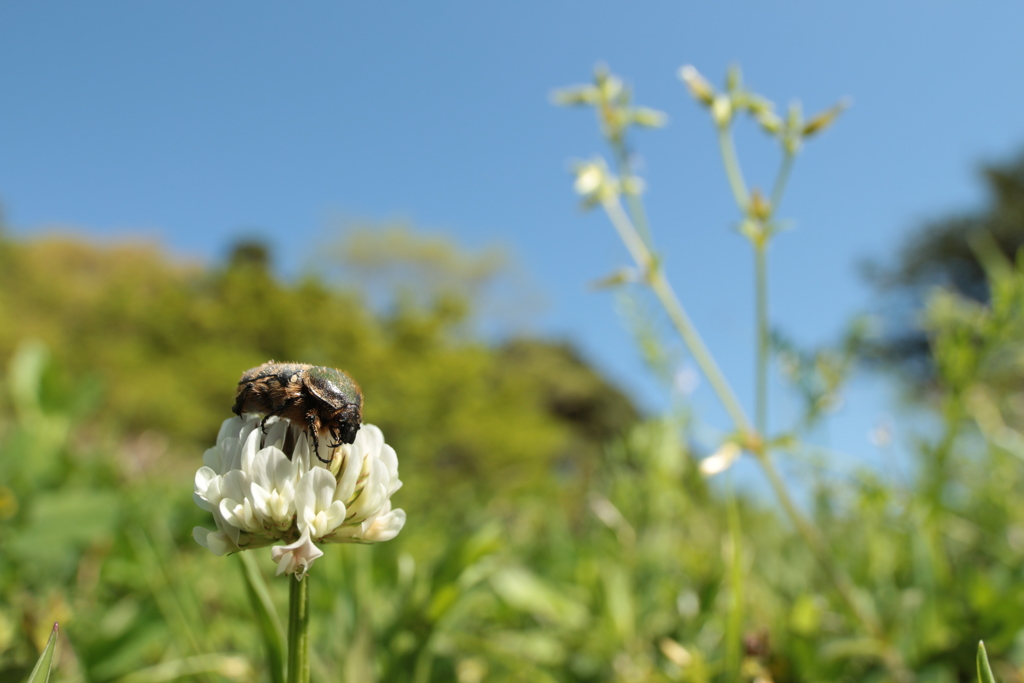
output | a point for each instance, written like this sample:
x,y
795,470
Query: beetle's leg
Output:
x,y
263,422
336,435
311,419
240,399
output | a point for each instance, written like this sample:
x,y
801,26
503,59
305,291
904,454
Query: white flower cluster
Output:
x,y
260,494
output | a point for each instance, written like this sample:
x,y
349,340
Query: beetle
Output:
x,y
323,399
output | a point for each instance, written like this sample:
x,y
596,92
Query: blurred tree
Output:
x,y
572,390
170,339
942,253
251,253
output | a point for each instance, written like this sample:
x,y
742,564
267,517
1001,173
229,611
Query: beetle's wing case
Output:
x,y
333,387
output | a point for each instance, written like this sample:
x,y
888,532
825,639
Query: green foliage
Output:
x,y
942,253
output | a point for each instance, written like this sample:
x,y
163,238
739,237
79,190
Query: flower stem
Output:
x,y
636,207
781,179
890,655
734,621
663,290
732,167
763,341
298,631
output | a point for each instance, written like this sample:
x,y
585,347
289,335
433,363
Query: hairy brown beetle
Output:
x,y
323,399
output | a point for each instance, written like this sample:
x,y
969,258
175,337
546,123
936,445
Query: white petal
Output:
x,y
230,428
236,507
385,527
214,541
272,469
317,513
300,454
351,469
213,458
390,460
277,430
373,495
249,450
283,472
720,460
369,440
205,477
295,558
229,530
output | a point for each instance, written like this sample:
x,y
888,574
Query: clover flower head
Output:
x,y
269,488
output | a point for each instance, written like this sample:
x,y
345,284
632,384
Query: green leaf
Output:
x,y
984,670
271,630
41,672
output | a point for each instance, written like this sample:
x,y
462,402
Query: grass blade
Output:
x,y
269,622
984,670
41,671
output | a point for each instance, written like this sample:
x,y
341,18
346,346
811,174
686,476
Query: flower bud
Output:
x,y
611,87
576,96
589,178
699,88
721,110
649,118
733,79
769,122
760,208
821,121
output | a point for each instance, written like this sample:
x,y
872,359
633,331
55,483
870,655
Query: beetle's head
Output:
x,y
344,424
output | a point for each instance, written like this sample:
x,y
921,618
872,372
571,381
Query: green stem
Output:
x,y
298,631
763,340
663,290
636,207
781,179
819,548
732,168
734,623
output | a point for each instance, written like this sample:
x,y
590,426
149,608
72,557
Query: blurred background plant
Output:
x,y
555,533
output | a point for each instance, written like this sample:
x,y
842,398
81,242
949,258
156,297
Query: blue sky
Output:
x,y
195,122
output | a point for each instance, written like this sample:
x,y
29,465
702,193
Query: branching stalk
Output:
x,y
781,179
632,229
636,207
734,622
763,339
732,168
663,290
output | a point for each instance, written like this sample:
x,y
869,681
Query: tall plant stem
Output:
x,y
890,656
636,207
655,279
763,340
298,631
732,168
781,179
817,545
734,621
753,437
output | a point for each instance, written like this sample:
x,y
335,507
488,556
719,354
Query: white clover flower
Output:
x,y
269,488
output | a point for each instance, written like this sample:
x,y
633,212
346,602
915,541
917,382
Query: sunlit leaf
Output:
x,y
41,671
984,670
